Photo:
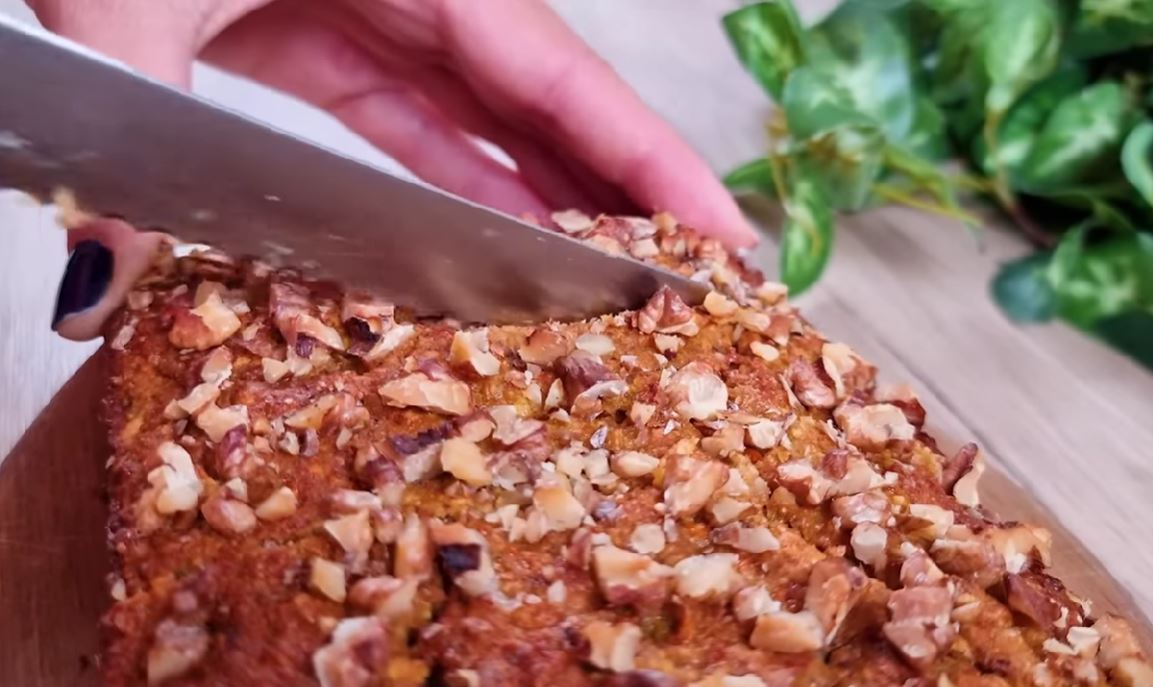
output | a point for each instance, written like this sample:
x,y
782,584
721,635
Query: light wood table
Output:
x,y
1067,419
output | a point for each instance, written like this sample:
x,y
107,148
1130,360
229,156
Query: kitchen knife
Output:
x,y
162,158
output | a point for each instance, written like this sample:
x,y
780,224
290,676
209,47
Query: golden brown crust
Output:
x,y
307,487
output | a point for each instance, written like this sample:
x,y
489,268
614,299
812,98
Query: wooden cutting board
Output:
x,y
53,561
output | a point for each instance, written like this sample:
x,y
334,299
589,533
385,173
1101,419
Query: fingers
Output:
x,y
160,38
108,257
319,65
548,76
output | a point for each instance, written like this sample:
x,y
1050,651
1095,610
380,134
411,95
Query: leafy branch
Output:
x,y
1048,103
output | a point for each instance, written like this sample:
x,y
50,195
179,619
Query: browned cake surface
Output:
x,y
308,487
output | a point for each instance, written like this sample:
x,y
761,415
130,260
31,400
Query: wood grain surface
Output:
x,y
1068,424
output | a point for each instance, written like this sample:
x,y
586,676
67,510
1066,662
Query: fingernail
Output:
x,y
86,278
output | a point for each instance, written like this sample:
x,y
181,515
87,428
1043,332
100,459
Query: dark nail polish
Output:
x,y
86,278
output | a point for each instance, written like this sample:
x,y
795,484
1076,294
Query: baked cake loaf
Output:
x,y
308,486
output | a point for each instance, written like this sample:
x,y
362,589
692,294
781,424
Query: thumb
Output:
x,y
160,38
108,257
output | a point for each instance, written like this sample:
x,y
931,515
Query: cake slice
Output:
x,y
309,486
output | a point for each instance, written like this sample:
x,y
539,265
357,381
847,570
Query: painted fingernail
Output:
x,y
86,278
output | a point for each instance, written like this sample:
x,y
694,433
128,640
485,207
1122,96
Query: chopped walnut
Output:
x,y
634,464
471,349
216,421
834,588
176,649
228,516
804,481
354,534
196,400
666,313
357,654
868,506
751,602
872,427
708,576
765,434
463,557
750,539
919,570
625,577
647,538
385,596
789,633
869,542
208,324
572,221
177,483
280,504
697,392
719,305
595,344
691,482
509,427
641,413
418,390
839,362
963,475
921,626
808,386
555,508
726,509
217,366
465,461
413,553
1120,653
764,351
1019,543
544,347
312,415
612,647
328,578
931,520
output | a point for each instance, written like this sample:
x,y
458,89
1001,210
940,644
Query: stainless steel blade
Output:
x,y
162,158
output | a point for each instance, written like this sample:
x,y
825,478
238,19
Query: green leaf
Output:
x,y
814,103
769,41
844,162
1023,291
1024,121
1137,159
1111,26
1102,278
1019,47
1081,140
929,179
807,236
755,175
927,138
864,52
1131,333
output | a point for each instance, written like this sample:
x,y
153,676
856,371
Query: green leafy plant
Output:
x,y
1047,103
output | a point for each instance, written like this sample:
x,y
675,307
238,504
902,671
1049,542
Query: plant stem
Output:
x,y
890,192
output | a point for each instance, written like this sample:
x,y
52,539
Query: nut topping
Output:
x,y
629,578
808,386
921,626
463,557
872,427
465,461
691,483
634,464
228,516
418,390
788,633
612,647
176,649
708,576
279,505
356,655
208,324
697,392
328,578
179,487
470,349
666,313
647,538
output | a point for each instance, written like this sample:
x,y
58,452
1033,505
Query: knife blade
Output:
x,y
162,158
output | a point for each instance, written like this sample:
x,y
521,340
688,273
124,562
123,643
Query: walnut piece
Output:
x,y
691,482
666,313
208,324
279,505
418,390
465,461
697,392
470,349
612,647
356,655
625,577
708,576
175,650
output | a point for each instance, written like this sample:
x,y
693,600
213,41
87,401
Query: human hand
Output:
x,y
421,80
